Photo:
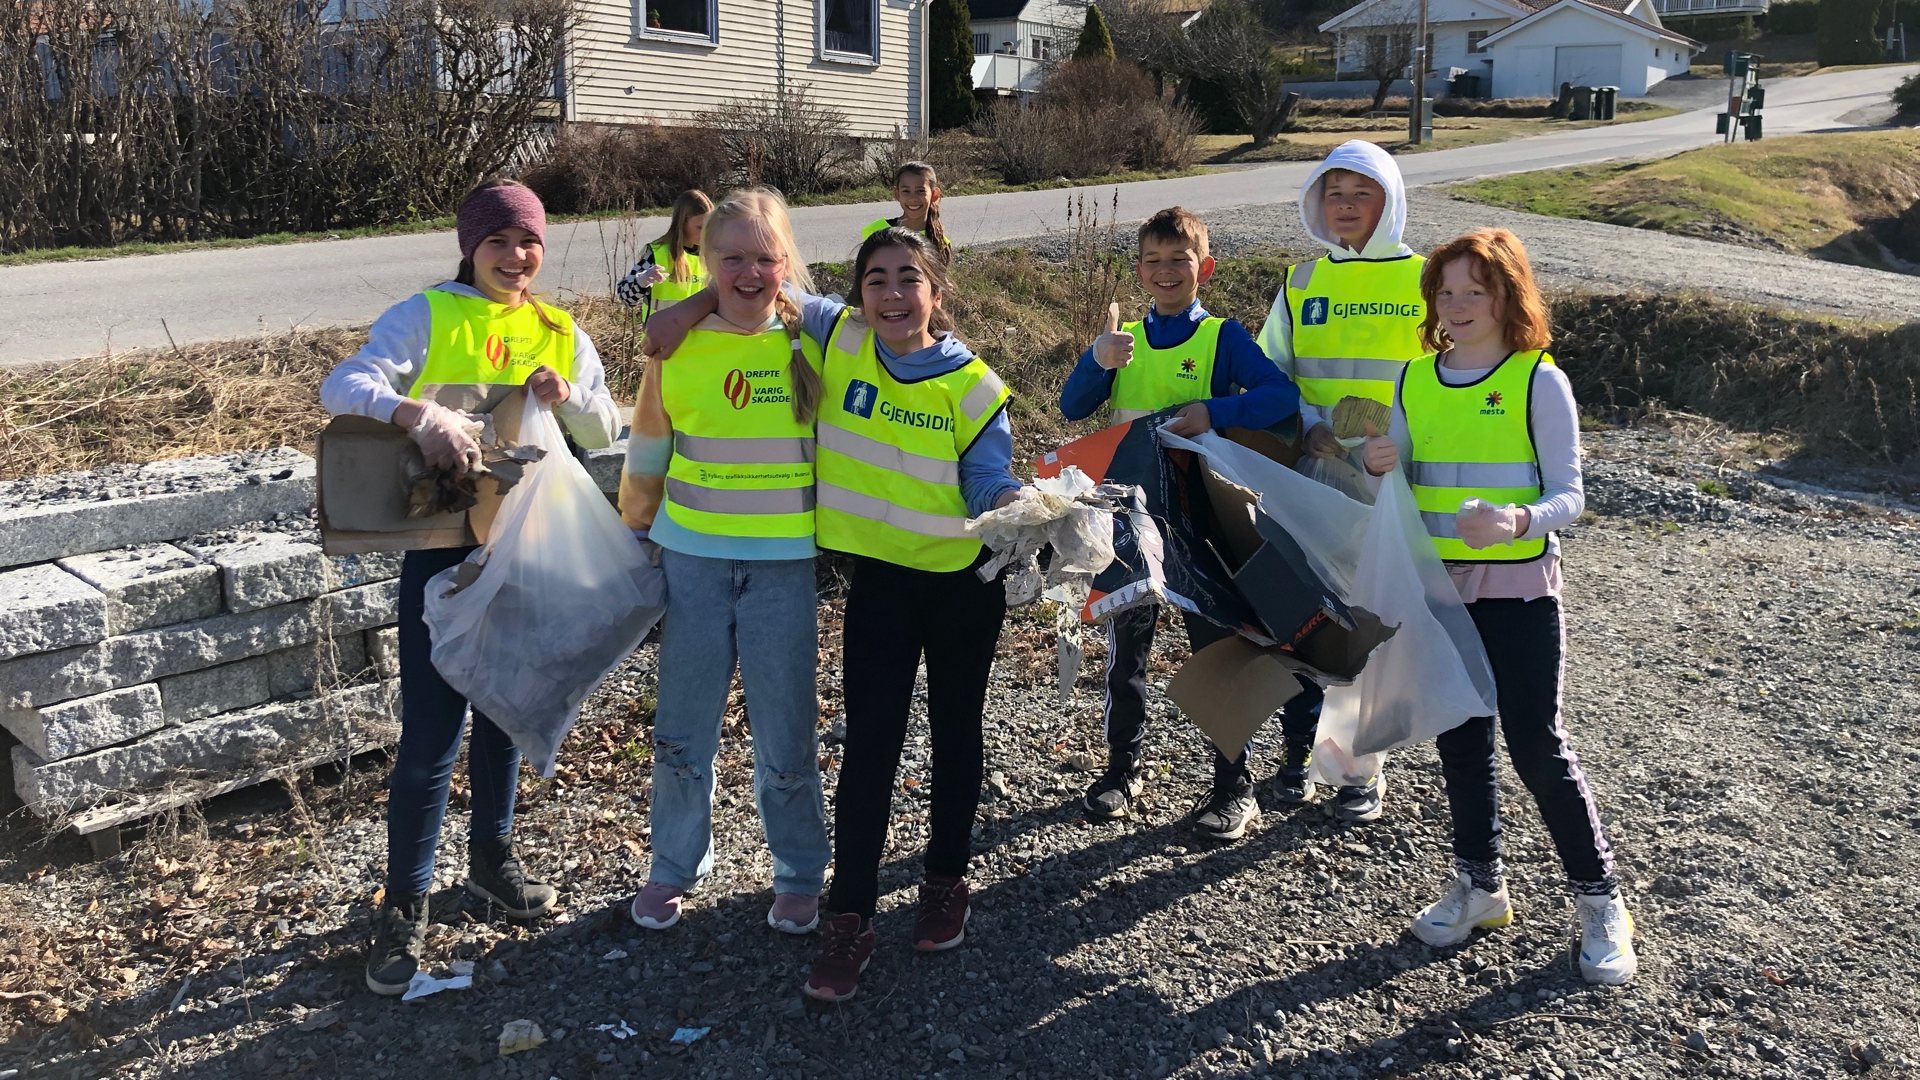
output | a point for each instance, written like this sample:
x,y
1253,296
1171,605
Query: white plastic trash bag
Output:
x,y
561,592
1432,675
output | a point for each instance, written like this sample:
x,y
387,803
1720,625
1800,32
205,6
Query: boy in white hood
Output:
x,y
1344,325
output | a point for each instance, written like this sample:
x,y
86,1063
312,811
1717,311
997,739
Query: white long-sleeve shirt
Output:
x,y
375,380
1555,422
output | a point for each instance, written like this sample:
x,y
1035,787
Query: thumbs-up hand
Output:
x,y
1113,349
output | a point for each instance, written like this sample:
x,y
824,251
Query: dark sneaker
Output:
x,y
836,971
496,877
1359,805
399,937
1226,814
1113,794
941,922
1291,783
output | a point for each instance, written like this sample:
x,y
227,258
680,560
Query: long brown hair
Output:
x,y
924,257
935,230
691,204
1497,260
465,275
766,210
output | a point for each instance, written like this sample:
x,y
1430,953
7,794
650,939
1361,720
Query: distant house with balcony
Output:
x,y
1684,9
1520,48
1014,40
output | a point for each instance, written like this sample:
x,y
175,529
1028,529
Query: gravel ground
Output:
x,y
1741,691
1594,257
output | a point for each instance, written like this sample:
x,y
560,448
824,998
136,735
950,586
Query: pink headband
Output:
x,y
489,210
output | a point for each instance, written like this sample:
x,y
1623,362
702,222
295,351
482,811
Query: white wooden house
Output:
x,y
1015,40
672,60
1522,48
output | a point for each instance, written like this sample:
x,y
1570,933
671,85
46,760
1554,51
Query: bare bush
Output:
x,y
594,167
788,141
1092,117
161,120
954,155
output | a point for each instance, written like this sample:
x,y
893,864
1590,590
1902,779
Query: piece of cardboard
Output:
x,y
361,493
1231,687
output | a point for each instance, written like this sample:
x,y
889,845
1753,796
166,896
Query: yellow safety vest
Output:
x,y
1472,441
889,465
474,342
742,465
1356,323
1158,378
874,227
671,291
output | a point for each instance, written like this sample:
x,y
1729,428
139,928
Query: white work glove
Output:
x,y
1113,350
652,276
448,439
1483,524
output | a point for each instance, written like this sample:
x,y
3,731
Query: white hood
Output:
x,y
1367,159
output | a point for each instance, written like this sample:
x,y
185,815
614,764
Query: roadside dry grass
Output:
x,y
1831,196
1832,386
1317,135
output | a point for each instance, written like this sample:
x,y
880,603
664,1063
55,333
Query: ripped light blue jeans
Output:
x,y
762,614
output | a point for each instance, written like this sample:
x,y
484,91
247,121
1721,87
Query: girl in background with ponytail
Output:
x,y
719,475
670,270
917,190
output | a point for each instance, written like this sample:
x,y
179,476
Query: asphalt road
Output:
x,y
58,311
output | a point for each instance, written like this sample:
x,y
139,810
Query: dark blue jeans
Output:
x,y
1526,648
432,715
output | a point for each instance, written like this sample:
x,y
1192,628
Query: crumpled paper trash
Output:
x,y
520,1035
425,985
1071,515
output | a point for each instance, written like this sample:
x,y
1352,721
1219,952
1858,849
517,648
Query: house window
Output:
x,y
982,44
679,19
850,30
1474,38
1042,47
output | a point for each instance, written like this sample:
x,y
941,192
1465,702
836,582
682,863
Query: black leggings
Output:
x,y
894,617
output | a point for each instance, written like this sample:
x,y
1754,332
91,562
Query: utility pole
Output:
x,y
1416,111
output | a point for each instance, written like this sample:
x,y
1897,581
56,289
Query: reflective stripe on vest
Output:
x,y
1158,378
1472,441
473,341
889,454
742,465
670,291
1356,323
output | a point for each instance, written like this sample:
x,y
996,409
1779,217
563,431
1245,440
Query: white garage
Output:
x,y
1574,41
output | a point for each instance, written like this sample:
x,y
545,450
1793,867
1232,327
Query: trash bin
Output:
x,y
1582,103
1606,99
1426,120
1466,85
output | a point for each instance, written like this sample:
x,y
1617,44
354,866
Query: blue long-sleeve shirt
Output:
x,y
1269,395
986,468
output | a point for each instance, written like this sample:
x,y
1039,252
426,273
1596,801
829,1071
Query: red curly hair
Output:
x,y
1499,262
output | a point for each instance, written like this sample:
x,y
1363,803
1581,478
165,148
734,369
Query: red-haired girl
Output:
x,y
1487,428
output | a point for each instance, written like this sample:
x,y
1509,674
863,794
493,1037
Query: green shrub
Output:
x,y
1794,17
1906,96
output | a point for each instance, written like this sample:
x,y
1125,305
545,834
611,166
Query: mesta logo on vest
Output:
x,y
1493,408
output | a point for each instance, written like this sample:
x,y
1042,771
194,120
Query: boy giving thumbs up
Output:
x,y
1176,355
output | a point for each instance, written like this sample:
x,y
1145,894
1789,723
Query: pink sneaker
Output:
x,y
794,913
658,905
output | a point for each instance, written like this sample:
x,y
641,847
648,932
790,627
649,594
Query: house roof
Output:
x,y
1519,9
1596,7
995,9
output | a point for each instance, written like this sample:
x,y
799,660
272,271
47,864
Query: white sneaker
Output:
x,y
1454,917
1606,940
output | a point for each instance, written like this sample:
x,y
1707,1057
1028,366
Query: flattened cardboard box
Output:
x,y
362,496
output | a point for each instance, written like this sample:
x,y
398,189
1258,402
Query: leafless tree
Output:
x,y
1232,45
130,120
1386,51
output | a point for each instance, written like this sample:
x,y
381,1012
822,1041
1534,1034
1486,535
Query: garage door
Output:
x,y
1586,65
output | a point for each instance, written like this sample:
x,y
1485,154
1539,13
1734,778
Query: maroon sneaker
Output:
x,y
941,922
836,971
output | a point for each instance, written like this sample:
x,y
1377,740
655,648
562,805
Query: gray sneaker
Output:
x,y
1359,805
1112,795
1226,814
496,877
